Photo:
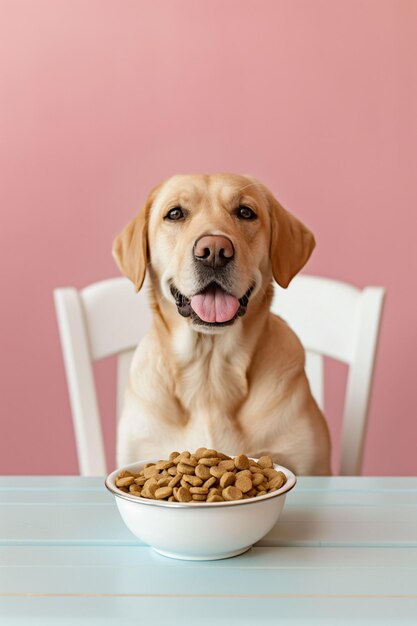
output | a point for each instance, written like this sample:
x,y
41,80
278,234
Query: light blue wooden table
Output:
x,y
343,552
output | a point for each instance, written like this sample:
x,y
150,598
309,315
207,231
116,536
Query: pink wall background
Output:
x,y
100,100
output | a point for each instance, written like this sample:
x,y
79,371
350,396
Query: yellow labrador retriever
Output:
x,y
217,369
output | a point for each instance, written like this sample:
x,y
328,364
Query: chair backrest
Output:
x,y
108,318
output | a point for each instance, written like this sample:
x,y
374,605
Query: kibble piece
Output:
x,y
164,481
232,493
195,481
210,482
174,480
171,499
209,461
276,483
173,455
199,453
261,493
141,480
163,492
192,460
202,471
172,471
252,493
241,462
227,479
270,472
257,479
243,483
208,453
151,470
181,458
265,461
262,487
217,471
151,481
214,498
125,481
228,464
183,495
149,492
183,468
215,492
244,473
201,491
199,497
162,465
135,490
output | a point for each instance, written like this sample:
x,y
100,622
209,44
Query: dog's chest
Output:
x,y
211,387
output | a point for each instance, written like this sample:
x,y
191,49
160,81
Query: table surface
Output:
x,y
344,551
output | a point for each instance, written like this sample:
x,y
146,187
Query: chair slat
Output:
x,y
81,386
359,383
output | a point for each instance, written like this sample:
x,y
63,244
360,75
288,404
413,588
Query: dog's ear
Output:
x,y
291,244
130,248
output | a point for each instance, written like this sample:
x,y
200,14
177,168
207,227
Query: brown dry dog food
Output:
x,y
204,476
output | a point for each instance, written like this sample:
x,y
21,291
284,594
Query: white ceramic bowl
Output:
x,y
199,531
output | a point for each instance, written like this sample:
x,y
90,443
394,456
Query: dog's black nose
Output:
x,y
214,250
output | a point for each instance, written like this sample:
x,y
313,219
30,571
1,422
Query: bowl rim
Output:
x,y
110,484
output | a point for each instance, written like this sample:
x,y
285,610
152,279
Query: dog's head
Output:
x,y
212,243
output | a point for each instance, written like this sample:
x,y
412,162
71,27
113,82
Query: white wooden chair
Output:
x,y
331,318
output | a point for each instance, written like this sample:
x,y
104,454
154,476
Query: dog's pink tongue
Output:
x,y
215,305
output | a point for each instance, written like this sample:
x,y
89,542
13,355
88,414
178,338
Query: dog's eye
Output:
x,y
175,214
245,213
